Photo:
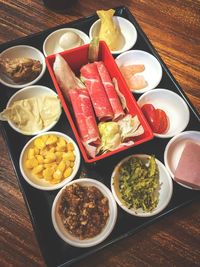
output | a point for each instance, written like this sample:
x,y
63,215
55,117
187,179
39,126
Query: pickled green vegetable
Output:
x,y
139,183
93,50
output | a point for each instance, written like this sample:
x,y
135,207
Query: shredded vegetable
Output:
x,y
139,183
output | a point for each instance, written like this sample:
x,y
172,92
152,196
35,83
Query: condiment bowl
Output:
x,y
174,106
30,92
22,51
164,192
128,31
51,43
41,183
174,150
152,72
71,239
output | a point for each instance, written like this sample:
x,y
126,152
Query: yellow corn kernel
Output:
x,y
50,157
31,163
59,155
44,138
52,139
36,151
61,166
57,175
31,153
39,175
52,149
69,156
70,147
62,141
71,164
39,143
48,173
50,165
37,169
61,148
39,158
67,163
68,172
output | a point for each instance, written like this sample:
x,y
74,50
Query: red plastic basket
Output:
x,y
78,57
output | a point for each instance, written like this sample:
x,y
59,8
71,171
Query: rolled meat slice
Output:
x,y
110,91
97,93
85,119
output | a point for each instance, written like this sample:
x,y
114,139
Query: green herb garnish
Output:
x,y
139,183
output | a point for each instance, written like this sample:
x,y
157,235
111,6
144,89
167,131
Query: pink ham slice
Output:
x,y
97,92
188,168
85,119
110,91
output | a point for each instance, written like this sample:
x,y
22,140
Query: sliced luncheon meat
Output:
x,y
92,80
110,91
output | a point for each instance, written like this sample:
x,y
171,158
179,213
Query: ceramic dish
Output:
x,y
176,109
175,148
55,43
127,28
164,194
152,73
29,92
41,183
22,51
69,238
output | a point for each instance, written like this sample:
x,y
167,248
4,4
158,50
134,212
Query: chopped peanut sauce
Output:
x,y
84,210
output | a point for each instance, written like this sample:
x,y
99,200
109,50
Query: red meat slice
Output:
x,y
110,91
188,169
85,119
97,92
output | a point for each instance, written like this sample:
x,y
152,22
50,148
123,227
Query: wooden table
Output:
x,y
173,27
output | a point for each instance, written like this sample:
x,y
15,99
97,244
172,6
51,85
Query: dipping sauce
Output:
x,y
84,210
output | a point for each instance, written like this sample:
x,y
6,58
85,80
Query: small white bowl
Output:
x,y
174,106
174,150
165,192
74,241
42,184
29,92
51,45
127,28
153,70
22,51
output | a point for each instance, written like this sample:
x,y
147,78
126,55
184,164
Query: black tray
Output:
x,y
55,251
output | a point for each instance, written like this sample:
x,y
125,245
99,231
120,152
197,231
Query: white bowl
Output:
x,y
174,150
165,192
51,45
26,52
29,92
174,106
127,28
74,241
42,184
153,70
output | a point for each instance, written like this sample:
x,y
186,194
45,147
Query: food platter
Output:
x,y
39,203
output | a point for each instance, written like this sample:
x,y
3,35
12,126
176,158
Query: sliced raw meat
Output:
x,y
110,91
97,93
65,76
85,119
188,168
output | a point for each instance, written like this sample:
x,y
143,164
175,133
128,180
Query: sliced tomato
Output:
x,y
163,122
150,114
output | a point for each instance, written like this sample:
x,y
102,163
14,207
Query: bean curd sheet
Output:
x,y
39,203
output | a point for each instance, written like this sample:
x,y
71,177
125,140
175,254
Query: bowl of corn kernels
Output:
x,y
49,160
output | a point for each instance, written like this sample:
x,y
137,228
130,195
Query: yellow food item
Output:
x,y
50,158
109,30
33,114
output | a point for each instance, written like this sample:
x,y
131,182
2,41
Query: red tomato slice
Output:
x,y
150,114
162,119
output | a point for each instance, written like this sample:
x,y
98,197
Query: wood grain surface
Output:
x,y
173,27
